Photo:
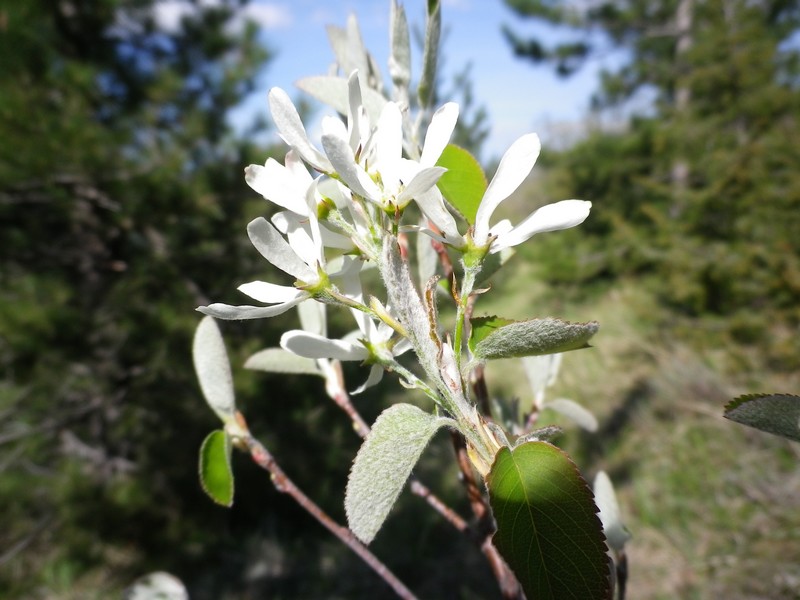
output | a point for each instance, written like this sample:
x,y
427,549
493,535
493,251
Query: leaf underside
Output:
x,y
496,337
383,465
216,475
774,413
213,369
547,525
278,360
333,91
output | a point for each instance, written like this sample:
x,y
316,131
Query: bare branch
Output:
x,y
283,484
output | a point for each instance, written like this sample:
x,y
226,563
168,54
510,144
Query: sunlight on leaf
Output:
x,y
547,525
216,475
774,413
496,337
213,369
464,183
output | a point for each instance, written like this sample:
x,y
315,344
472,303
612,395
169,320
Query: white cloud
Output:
x,y
168,14
268,15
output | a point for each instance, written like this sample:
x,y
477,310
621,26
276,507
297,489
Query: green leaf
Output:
x,y
216,475
278,360
496,337
547,527
213,369
773,413
383,465
464,183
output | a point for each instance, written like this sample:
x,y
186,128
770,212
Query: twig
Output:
x,y
622,574
506,580
24,542
265,460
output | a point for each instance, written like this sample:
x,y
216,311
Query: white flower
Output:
x,y
514,168
388,179
370,343
271,245
290,128
302,258
286,186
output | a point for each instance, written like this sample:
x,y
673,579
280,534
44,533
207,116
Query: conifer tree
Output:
x,y
703,189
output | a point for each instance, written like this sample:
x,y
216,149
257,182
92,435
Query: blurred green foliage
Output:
x,y
698,197
122,208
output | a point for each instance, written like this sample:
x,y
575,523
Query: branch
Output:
x,y
509,586
283,484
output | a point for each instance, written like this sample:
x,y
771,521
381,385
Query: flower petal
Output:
x,y
279,185
355,110
389,147
228,312
352,174
270,293
432,205
276,250
421,183
515,166
311,345
290,127
374,377
298,234
439,133
552,217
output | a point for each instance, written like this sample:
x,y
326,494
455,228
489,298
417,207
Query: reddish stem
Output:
x,y
283,484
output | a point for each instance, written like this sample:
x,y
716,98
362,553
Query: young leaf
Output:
x,y
542,372
216,475
773,413
383,465
496,337
213,369
333,91
464,183
278,360
400,57
574,411
430,54
605,498
547,527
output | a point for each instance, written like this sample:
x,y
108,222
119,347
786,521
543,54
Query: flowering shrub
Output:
x,y
387,191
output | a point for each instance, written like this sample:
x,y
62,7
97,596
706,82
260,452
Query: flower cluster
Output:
x,y
339,208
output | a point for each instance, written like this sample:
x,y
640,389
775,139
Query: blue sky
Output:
x,y
518,96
